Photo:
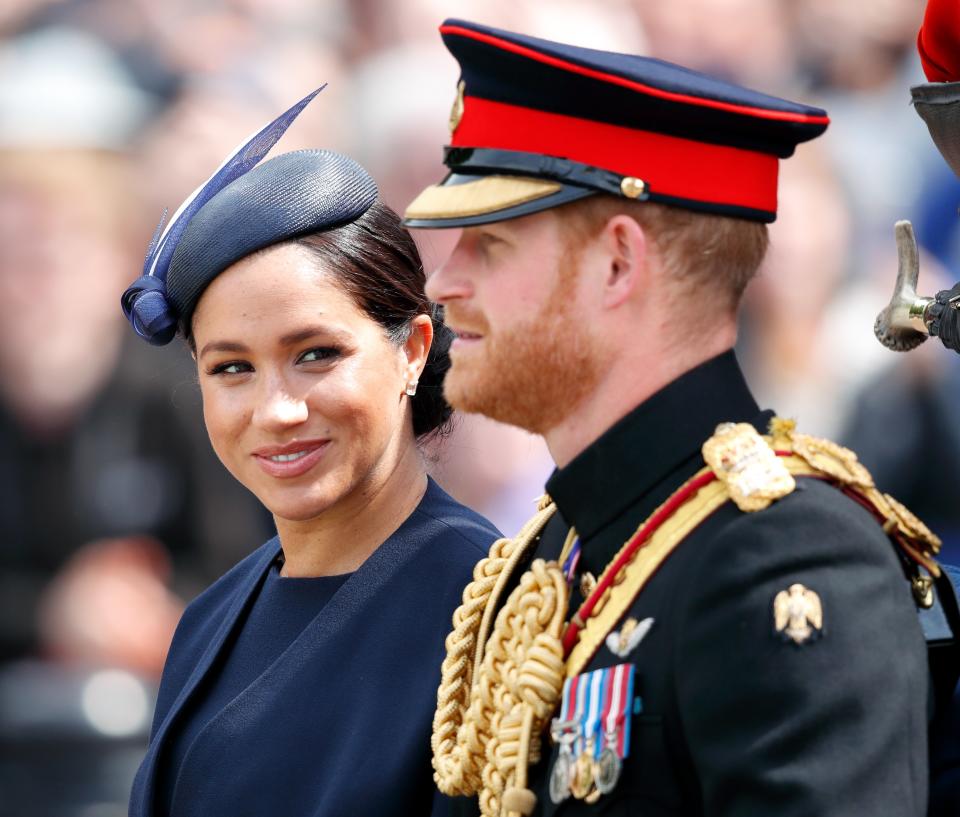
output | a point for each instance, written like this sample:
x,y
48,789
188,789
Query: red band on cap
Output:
x,y
670,166
687,99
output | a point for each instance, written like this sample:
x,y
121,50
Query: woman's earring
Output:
x,y
412,381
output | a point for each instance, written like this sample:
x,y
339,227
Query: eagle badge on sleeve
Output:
x,y
798,614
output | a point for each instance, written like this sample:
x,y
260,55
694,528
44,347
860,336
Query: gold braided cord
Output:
x,y
456,742
519,686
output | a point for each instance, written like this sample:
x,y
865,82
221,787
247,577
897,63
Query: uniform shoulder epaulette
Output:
x,y
757,470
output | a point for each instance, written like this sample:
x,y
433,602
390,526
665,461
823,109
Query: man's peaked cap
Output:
x,y
538,123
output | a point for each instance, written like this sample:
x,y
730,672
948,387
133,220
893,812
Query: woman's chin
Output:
x,y
297,508
298,512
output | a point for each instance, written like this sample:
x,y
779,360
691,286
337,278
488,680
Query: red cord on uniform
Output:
x,y
638,541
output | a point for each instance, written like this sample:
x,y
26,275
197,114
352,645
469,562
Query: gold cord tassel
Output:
x,y
486,729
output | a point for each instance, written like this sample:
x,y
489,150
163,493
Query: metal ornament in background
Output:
x,y
906,321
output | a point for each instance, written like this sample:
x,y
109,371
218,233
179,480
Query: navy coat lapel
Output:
x,y
142,797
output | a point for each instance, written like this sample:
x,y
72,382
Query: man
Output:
x,y
707,621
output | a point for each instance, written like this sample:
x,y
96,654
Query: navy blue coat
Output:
x,y
340,722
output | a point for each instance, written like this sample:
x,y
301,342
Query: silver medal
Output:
x,y
563,733
607,771
560,777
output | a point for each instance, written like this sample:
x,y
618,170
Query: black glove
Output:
x,y
946,318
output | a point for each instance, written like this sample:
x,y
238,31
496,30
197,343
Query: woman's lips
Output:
x,y
291,460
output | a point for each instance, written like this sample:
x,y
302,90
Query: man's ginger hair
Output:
x,y
709,255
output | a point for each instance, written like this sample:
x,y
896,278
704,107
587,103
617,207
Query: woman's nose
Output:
x,y
278,407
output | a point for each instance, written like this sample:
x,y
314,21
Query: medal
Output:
x,y
607,771
581,782
592,733
582,785
560,776
564,733
615,722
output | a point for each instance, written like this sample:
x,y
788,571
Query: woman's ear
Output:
x,y
625,252
417,346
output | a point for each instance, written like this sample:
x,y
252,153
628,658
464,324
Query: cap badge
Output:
x,y
456,110
798,614
625,641
632,187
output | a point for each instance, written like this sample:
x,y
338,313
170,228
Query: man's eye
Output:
x,y
320,354
231,367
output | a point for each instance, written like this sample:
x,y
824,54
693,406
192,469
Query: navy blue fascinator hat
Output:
x,y
242,208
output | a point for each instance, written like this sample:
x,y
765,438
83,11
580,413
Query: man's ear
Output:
x,y
626,255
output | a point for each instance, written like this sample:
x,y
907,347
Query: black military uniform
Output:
x,y
747,659
735,719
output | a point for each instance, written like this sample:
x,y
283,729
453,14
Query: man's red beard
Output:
x,y
531,375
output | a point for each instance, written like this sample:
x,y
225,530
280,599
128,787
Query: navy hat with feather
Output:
x,y
537,124
242,208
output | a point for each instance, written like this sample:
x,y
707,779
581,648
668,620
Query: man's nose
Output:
x,y
451,280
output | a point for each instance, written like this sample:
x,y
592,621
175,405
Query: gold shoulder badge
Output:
x,y
747,465
456,111
798,614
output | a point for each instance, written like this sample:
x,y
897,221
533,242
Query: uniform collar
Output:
x,y
658,437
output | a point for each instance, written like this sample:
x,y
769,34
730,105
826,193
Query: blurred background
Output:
x,y
114,512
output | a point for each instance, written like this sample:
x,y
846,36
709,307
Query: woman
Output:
x,y
303,681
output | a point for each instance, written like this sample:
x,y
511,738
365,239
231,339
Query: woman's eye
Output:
x,y
321,354
231,367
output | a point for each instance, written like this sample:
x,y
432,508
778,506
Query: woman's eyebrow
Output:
x,y
307,332
223,346
289,339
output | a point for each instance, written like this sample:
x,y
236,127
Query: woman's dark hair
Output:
x,y
377,262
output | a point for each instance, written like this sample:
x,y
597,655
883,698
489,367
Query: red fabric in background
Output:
x,y
939,41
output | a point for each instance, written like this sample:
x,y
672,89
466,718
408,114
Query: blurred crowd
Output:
x,y
114,511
